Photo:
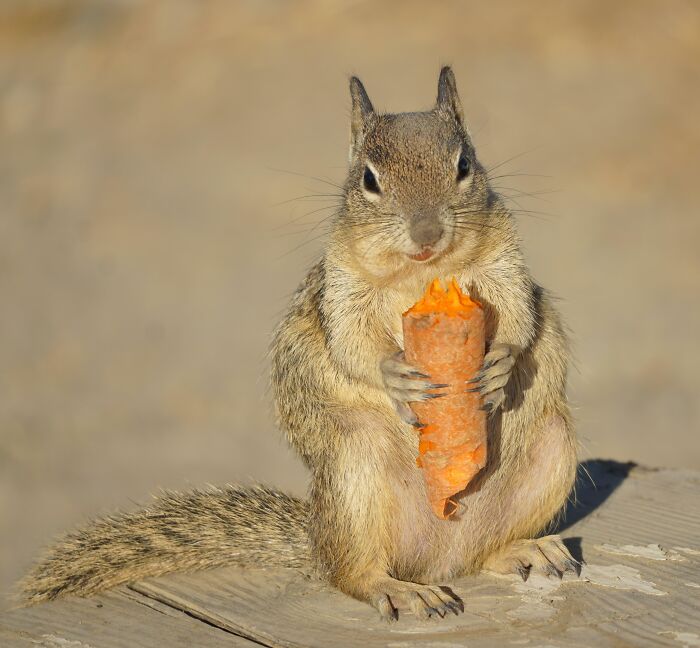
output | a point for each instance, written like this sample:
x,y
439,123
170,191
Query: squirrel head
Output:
x,y
415,188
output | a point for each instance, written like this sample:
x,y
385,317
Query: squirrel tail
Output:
x,y
177,532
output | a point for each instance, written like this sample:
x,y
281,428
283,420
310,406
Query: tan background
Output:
x,y
144,257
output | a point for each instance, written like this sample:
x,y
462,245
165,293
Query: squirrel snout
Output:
x,y
425,230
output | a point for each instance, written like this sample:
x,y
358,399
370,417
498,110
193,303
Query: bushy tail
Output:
x,y
178,532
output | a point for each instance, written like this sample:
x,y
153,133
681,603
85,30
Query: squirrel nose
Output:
x,y
425,230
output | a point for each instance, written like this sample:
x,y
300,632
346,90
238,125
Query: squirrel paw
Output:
x,y
494,376
393,597
548,556
405,384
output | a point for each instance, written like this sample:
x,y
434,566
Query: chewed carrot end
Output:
x,y
438,300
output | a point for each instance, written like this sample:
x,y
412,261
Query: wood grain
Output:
x,y
623,598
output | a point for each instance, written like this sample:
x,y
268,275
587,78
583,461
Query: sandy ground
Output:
x,y
145,148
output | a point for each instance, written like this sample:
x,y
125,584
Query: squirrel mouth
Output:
x,y
425,254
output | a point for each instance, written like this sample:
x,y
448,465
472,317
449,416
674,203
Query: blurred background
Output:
x,y
150,158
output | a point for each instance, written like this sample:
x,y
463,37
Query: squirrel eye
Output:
x,y
370,182
463,167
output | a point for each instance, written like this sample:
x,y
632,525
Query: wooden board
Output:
x,y
118,619
638,531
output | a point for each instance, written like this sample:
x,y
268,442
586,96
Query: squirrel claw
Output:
x,y
432,396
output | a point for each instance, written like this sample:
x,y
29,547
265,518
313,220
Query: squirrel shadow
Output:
x,y
597,481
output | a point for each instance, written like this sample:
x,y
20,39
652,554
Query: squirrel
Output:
x,y
417,204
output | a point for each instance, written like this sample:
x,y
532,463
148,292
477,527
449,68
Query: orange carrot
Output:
x,y
444,338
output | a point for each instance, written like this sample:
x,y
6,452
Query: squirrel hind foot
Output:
x,y
393,598
546,556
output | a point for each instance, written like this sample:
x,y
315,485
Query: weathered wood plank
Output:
x,y
644,597
119,619
638,531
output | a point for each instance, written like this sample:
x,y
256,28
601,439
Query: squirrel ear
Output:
x,y
447,98
362,112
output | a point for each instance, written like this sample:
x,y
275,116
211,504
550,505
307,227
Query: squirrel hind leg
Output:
x,y
541,492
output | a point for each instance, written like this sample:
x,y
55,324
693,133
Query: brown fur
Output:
x,y
369,524
196,530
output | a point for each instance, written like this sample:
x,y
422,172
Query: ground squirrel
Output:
x,y
416,205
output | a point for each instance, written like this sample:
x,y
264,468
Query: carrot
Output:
x,y
444,338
